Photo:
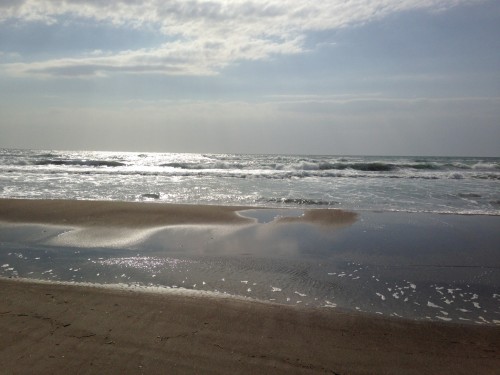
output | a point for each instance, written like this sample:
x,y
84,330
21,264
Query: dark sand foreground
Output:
x,y
55,329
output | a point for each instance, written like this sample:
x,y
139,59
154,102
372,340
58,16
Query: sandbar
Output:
x,y
114,213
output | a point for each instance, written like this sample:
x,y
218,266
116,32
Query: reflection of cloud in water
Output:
x,y
330,218
324,217
269,240
102,237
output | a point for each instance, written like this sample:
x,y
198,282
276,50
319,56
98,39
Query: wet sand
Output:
x,y
56,329
60,329
114,214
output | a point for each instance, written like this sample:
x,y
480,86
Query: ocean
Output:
x,y
458,185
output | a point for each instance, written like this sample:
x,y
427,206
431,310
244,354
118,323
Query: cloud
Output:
x,y
204,36
198,57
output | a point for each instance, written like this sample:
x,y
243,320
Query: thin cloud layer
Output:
x,y
201,37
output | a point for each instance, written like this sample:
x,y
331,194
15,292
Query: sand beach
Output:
x,y
66,329
61,327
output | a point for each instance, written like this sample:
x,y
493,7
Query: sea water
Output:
x,y
459,185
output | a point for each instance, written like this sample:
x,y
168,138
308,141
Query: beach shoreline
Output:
x,y
51,327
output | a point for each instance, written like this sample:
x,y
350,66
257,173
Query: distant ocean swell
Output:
x,y
302,165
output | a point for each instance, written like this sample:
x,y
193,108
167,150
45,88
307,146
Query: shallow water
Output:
x,y
418,266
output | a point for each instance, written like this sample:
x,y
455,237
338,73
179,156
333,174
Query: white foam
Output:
x,y
381,296
274,289
132,287
430,304
329,304
483,320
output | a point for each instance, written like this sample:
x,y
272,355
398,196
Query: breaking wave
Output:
x,y
313,165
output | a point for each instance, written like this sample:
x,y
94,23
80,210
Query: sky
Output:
x,y
340,77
